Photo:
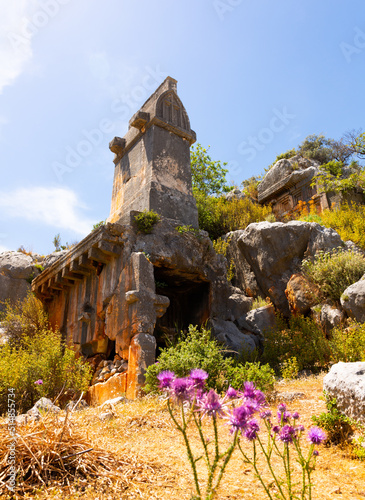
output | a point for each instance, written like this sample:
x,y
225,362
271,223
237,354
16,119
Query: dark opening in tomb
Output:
x,y
189,304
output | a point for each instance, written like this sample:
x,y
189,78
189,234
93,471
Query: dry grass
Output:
x,y
139,454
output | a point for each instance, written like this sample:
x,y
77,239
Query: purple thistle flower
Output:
x,y
249,390
39,382
276,429
316,435
181,389
299,428
198,378
210,404
286,434
166,377
295,415
284,416
237,419
316,453
282,407
231,393
252,430
265,414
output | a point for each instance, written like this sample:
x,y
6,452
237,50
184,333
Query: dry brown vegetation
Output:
x,y
139,454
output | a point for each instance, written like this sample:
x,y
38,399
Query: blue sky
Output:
x,y
255,77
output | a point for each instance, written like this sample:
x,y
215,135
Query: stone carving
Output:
x,y
152,161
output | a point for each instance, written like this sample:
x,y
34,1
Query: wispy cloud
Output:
x,y
15,38
58,207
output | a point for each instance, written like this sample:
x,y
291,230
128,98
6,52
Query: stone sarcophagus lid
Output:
x,y
152,161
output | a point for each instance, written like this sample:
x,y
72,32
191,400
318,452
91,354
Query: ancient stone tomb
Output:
x,y
119,293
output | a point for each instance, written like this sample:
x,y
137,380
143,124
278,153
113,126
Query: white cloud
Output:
x,y
58,207
3,249
16,32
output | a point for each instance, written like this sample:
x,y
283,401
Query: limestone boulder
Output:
x,y
51,258
353,300
12,290
260,320
235,194
227,333
16,273
43,405
331,317
16,265
244,277
346,383
275,252
301,294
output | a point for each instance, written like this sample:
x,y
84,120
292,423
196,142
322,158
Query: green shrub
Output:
x,y
302,337
290,368
98,224
334,271
218,216
348,344
146,220
263,376
188,229
337,426
24,319
348,221
42,356
197,349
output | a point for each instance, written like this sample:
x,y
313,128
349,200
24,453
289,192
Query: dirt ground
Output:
x,y
142,436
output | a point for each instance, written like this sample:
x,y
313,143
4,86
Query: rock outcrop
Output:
x,y
16,273
346,383
274,252
353,300
301,294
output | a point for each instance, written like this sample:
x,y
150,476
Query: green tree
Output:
x,y
208,176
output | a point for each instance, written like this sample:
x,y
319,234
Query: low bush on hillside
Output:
x,y
35,362
24,318
334,271
348,344
347,220
218,216
41,366
300,337
197,349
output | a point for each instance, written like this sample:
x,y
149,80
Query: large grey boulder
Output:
x,y
262,318
274,252
353,300
330,318
346,383
284,174
244,277
227,333
16,273
16,265
51,258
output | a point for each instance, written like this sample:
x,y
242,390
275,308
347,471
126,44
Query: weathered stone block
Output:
x,y
112,388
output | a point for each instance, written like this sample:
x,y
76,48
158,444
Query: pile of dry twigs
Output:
x,y
51,452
